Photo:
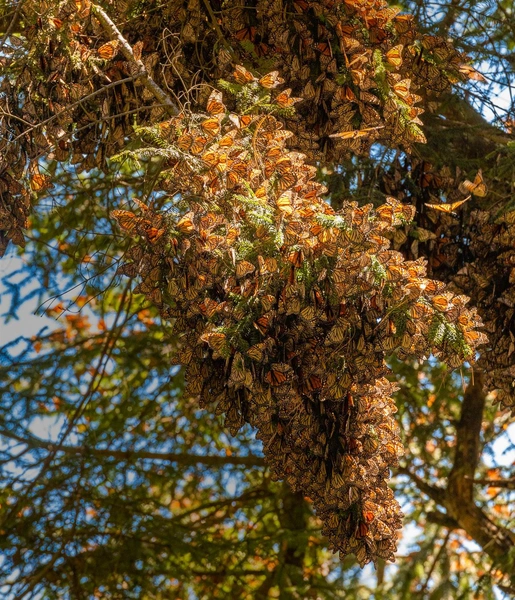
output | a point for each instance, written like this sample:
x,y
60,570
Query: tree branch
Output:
x,y
439,518
435,493
141,71
495,540
498,483
174,457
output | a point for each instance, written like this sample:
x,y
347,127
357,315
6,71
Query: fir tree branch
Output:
x,y
182,458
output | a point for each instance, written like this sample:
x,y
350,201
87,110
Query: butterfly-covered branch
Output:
x,y
140,71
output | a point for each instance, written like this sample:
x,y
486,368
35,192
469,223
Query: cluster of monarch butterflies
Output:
x,y
489,280
286,309
352,63
469,246
14,209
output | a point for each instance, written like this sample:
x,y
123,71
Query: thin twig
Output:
x,y
434,563
12,23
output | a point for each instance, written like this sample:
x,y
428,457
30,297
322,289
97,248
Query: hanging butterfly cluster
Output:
x,y
470,247
14,205
489,279
286,309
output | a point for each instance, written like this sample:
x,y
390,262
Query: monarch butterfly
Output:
x,y
257,352
325,49
198,145
227,140
215,106
274,151
418,310
471,73
349,44
214,184
263,323
126,219
39,182
355,133
185,141
245,34
271,80
393,447
244,267
285,100
370,445
238,369
476,188
238,167
83,8
213,158
184,225
475,337
211,126
284,203
440,302
296,258
361,530
394,55
152,233
277,374
267,265
241,75
233,179
240,121
260,48
448,208
209,307
405,212
312,383
368,97
402,88
216,341
109,50
301,6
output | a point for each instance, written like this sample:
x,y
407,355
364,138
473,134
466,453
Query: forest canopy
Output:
x,y
274,243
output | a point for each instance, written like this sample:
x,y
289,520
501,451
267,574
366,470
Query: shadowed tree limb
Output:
x,y
435,493
458,498
495,540
182,458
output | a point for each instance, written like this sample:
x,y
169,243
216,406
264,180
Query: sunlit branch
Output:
x,y
126,50
498,483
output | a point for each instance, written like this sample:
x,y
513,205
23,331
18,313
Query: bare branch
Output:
x,y
498,483
435,493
